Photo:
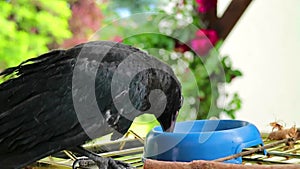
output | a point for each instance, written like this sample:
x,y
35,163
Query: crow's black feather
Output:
x,y
37,112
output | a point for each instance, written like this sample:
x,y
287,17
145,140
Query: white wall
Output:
x,y
265,45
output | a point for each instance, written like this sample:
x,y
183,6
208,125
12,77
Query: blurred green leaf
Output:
x,y
29,27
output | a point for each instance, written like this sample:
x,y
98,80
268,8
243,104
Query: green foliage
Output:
x,y
233,106
150,40
230,72
29,27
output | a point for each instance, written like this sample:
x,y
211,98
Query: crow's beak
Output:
x,y
168,126
171,128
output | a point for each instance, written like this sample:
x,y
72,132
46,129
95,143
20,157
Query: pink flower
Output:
x,y
117,39
204,40
205,5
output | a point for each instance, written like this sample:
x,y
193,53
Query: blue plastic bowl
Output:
x,y
202,140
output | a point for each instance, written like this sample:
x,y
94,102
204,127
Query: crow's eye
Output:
x,y
181,102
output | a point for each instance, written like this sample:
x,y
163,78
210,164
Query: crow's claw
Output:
x,y
101,162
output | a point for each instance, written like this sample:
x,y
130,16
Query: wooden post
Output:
x,y
225,24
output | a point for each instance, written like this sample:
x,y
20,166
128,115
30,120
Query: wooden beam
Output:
x,y
231,17
225,24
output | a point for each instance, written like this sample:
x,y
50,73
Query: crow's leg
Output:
x,y
102,163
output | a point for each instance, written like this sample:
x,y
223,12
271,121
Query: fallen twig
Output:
x,y
255,150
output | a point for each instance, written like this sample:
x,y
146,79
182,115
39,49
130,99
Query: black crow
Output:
x,y
64,98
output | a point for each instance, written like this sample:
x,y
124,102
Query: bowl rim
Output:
x,y
158,129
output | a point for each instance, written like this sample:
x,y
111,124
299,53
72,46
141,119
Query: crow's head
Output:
x,y
137,83
158,92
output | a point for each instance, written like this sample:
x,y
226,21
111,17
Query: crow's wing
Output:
x,y
37,115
